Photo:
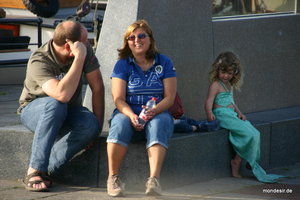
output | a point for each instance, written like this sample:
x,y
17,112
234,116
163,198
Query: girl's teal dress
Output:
x,y
244,137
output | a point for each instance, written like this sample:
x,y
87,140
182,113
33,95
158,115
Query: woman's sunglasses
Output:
x,y
140,36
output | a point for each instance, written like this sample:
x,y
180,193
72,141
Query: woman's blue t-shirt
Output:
x,y
142,86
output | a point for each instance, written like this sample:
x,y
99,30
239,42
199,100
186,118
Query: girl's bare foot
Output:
x,y
235,168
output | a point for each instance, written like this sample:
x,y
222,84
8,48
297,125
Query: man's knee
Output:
x,y
90,125
56,108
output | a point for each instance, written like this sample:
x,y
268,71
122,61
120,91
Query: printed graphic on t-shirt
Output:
x,y
158,69
141,88
143,85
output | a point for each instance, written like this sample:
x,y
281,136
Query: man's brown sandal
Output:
x,y
29,184
47,179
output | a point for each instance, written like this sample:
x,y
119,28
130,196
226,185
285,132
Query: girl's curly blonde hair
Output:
x,y
227,62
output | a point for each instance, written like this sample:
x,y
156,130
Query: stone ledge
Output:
x,y
191,158
276,115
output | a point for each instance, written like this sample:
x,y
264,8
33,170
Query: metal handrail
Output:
x,y
10,62
28,21
15,44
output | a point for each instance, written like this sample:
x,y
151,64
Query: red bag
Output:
x,y
177,109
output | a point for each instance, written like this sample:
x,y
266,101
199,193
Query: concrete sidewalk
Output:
x,y
220,189
229,188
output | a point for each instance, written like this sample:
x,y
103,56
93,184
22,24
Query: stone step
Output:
x,y
191,158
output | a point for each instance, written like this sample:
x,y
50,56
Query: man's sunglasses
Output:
x,y
140,36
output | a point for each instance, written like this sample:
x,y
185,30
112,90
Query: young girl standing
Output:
x,y
226,75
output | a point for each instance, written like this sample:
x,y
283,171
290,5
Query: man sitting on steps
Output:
x,y
51,102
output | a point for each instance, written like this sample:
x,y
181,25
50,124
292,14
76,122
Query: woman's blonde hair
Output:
x,y
227,62
125,51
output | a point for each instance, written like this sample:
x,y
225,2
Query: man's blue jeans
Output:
x,y
60,131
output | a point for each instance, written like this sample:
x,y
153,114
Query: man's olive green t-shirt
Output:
x,y
43,65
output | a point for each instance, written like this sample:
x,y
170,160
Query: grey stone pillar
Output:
x,y
183,31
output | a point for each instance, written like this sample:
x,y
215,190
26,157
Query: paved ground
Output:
x,y
220,189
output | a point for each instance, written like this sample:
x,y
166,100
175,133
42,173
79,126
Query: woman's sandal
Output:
x,y
29,184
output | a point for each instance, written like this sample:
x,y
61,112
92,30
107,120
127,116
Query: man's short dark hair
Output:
x,y
64,31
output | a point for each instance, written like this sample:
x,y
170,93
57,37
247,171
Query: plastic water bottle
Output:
x,y
142,117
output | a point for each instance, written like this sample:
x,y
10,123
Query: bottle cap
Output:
x,y
154,98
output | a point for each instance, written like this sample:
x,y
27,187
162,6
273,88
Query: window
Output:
x,y
221,8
